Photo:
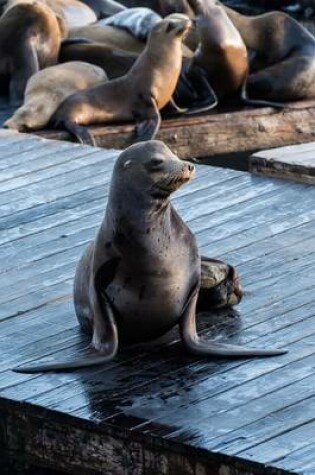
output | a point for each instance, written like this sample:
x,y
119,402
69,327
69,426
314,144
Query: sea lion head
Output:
x,y
150,169
172,27
29,117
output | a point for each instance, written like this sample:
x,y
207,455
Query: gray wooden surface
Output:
x,y
255,416
295,162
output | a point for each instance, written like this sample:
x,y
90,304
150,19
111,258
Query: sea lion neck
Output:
x,y
136,206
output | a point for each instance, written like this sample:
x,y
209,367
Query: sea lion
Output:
x,y
46,90
141,275
221,53
30,39
284,50
109,36
116,63
104,8
139,95
138,21
74,13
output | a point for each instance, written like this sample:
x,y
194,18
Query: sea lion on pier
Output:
x,y
30,39
104,8
285,52
137,96
109,36
138,21
141,275
46,90
116,63
221,53
73,13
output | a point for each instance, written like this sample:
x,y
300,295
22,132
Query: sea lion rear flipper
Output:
x,y
80,132
173,108
199,81
147,129
202,347
106,328
259,102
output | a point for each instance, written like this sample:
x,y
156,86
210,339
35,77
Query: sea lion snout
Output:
x,y
177,23
188,171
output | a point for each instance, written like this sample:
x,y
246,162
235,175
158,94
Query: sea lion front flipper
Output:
x,y
26,65
109,347
147,129
199,346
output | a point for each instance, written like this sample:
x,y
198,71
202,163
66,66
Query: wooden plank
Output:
x,y
296,162
218,133
208,415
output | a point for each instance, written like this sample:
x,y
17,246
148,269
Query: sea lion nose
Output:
x,y
191,167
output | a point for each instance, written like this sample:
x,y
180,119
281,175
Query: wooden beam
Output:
x,y
208,135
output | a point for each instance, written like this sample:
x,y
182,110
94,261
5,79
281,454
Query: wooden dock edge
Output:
x,y
296,162
247,130
33,437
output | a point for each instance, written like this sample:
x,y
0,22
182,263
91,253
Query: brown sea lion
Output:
x,y
286,52
221,53
141,275
137,96
46,90
104,8
109,36
30,39
73,12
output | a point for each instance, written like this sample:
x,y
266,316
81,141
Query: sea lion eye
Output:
x,y
156,164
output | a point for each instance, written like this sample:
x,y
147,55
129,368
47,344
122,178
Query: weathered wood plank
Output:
x,y
164,398
296,162
220,132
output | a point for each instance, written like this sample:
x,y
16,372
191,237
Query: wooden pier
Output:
x,y
212,135
162,411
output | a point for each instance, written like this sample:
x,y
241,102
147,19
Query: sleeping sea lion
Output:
x,y
138,21
109,36
29,41
104,8
115,63
72,12
285,51
137,96
46,90
141,275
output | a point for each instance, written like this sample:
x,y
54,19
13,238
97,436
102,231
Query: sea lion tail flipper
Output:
x,y
210,99
80,132
202,347
172,107
148,128
259,102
